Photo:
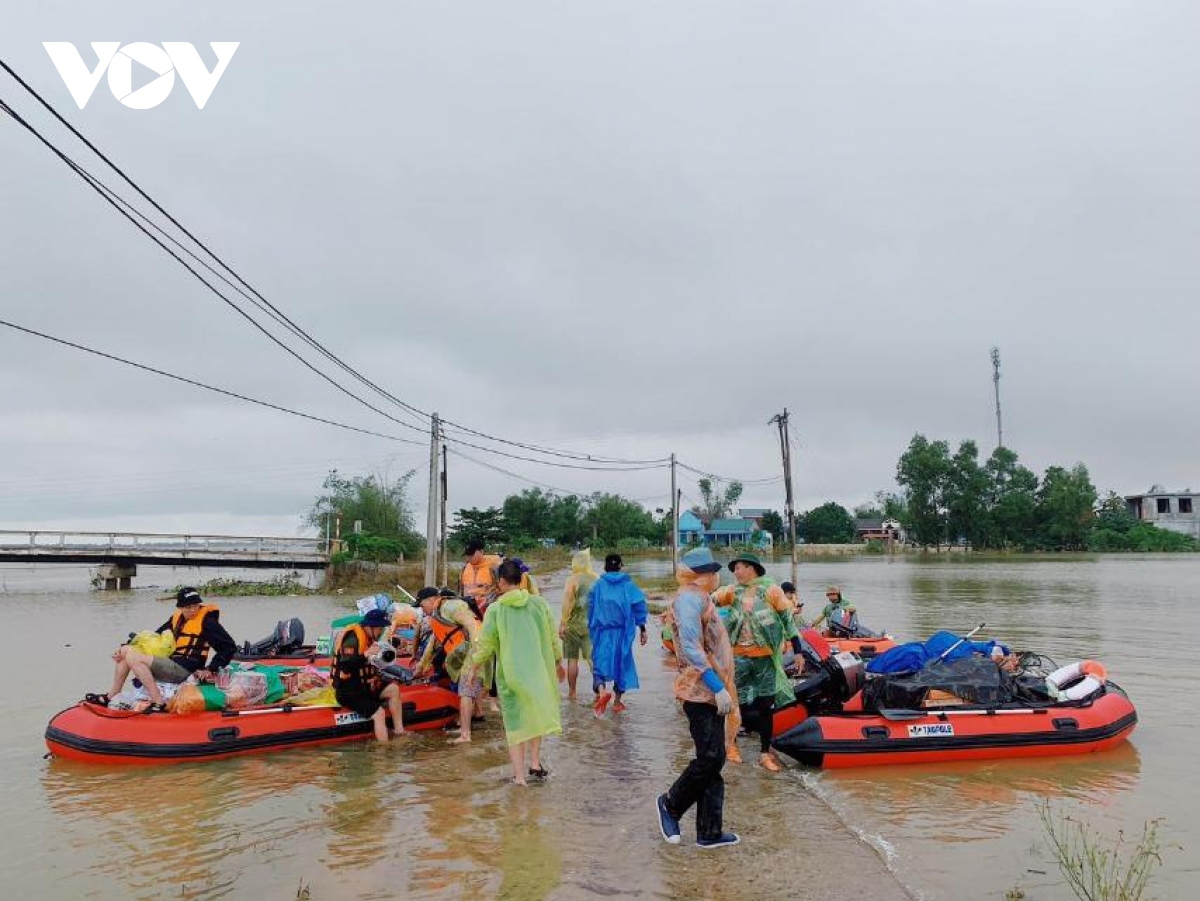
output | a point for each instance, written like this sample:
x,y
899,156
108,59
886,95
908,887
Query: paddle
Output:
x,y
900,714
416,603
946,652
286,708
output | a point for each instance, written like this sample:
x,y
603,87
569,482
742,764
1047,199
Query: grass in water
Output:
x,y
1096,870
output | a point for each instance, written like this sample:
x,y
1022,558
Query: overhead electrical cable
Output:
x,y
102,190
276,313
720,478
207,387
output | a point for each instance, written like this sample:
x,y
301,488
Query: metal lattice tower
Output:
x,y
996,382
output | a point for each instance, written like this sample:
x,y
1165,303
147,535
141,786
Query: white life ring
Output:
x,y
1076,681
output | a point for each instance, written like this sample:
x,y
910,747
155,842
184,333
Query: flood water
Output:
x,y
417,819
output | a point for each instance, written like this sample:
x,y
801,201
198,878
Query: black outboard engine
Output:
x,y
836,681
385,663
287,636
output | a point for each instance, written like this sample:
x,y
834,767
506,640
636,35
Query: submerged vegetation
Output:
x,y
1095,869
285,585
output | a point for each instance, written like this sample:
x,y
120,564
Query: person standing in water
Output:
x,y
705,663
759,621
616,609
573,628
518,633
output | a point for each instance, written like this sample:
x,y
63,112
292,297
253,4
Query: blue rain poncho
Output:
x,y
616,608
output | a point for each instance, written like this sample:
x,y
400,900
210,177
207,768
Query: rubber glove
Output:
x,y
724,702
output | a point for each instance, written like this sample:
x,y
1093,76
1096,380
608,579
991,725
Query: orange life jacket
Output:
x,y
189,642
350,656
479,582
447,633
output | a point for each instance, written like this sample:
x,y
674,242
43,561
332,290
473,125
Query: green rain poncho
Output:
x,y
758,677
519,633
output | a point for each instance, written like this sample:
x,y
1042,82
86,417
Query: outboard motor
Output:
x,y
287,636
838,679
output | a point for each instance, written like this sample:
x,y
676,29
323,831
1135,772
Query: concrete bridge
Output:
x,y
117,554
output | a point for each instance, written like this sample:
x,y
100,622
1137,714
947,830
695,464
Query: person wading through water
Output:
x,y
759,621
705,662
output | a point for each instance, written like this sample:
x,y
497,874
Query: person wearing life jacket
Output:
x,y
404,631
454,632
197,629
477,581
528,582
357,684
759,622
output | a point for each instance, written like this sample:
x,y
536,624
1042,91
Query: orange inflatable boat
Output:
x,y
97,734
844,735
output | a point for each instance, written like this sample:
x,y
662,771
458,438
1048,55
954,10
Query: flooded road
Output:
x,y
421,820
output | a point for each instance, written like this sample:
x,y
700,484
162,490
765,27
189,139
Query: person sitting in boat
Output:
x,y
838,614
789,592
197,629
357,683
454,636
402,633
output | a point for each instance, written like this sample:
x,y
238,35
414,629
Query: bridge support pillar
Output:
x,y
117,576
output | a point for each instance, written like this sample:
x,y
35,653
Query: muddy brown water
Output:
x,y
422,820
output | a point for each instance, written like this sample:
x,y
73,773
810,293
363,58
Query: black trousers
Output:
x,y
700,783
759,716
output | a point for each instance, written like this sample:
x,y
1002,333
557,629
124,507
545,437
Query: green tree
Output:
x,y
830,523
379,502
568,521
1066,502
615,519
773,524
715,503
1013,500
922,472
966,497
473,524
527,516
868,511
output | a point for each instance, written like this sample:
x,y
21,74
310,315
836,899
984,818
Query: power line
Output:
x,y
104,192
275,312
207,387
720,478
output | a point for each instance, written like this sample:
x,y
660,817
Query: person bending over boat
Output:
x,y
759,622
705,663
454,635
616,612
197,629
357,684
838,611
519,634
573,625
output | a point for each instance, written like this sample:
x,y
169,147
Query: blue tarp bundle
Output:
x,y
907,658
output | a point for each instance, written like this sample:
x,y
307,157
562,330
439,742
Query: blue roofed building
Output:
x,y
734,530
691,529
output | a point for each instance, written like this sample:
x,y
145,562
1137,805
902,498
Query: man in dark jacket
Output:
x,y
197,629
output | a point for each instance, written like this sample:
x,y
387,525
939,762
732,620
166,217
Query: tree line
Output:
x,y
1001,504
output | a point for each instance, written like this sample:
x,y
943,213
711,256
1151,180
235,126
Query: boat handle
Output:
x,y
225,733
875,732
1066,724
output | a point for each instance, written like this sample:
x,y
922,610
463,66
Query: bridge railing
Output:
x,y
40,541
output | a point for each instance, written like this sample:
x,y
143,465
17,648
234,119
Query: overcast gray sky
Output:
x,y
627,228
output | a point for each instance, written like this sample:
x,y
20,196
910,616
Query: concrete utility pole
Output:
x,y
445,580
431,518
996,382
674,517
785,447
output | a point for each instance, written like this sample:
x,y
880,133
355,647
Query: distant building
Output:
x,y
755,514
1172,510
878,530
691,529
735,530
